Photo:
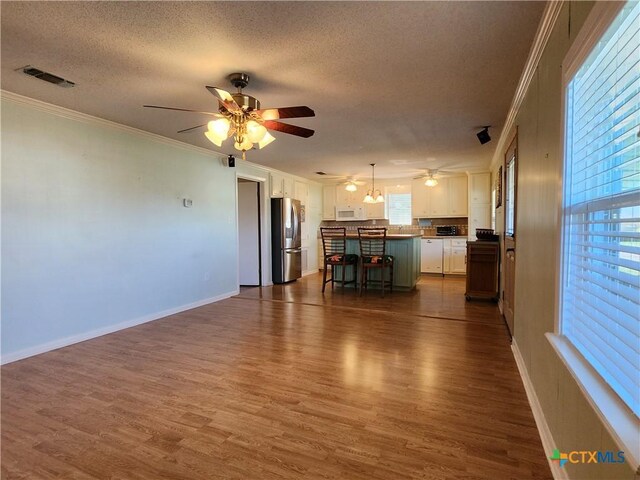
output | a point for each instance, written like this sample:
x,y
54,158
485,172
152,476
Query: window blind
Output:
x,y
399,208
601,233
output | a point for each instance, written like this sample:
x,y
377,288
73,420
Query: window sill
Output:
x,y
617,418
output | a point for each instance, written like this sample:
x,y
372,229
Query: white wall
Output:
x,y
94,233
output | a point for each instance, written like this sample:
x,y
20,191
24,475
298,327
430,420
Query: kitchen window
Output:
x,y
399,205
600,261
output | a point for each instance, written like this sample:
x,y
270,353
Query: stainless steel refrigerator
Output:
x,y
286,240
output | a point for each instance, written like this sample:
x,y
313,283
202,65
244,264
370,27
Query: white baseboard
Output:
x,y
310,272
548,444
81,337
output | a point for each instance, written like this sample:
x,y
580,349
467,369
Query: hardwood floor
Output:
x,y
281,383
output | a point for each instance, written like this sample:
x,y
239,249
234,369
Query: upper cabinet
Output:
x,y
479,202
480,188
282,186
458,196
329,203
345,198
419,207
374,210
447,199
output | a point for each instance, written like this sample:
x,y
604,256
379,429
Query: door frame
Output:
x,y
509,241
264,224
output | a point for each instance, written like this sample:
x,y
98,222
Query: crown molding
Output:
x,y
90,119
545,27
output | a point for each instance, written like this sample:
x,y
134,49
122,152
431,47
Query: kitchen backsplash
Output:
x,y
424,226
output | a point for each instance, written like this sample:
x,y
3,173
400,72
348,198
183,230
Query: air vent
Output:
x,y
47,77
320,173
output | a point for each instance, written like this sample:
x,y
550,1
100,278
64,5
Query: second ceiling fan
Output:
x,y
240,116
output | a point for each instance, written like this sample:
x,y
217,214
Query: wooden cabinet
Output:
x,y
447,199
329,203
482,270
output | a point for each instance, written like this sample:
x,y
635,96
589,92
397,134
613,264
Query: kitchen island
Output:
x,y
405,248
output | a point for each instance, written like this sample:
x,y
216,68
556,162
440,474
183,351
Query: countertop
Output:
x,y
390,236
443,237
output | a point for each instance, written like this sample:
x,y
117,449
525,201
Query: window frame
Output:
x,y
398,190
615,415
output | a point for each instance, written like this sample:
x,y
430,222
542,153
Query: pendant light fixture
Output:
x,y
373,195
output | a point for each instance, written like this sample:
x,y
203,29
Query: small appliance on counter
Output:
x,y
286,240
446,231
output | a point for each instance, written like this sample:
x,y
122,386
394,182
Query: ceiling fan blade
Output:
x,y
192,128
225,98
183,110
286,112
290,129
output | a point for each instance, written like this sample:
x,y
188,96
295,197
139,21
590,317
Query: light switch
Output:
x,y
187,202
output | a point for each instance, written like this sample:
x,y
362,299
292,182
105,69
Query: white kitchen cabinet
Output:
x,y
480,188
454,256
288,187
458,197
438,199
301,192
345,198
479,202
277,185
375,211
329,203
431,255
282,186
458,262
479,217
447,199
419,199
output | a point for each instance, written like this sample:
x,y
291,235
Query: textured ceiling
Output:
x,y
403,84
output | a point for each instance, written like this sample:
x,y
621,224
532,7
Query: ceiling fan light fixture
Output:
x,y
255,131
266,140
244,146
220,127
351,187
213,138
431,182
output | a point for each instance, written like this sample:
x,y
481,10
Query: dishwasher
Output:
x,y
431,255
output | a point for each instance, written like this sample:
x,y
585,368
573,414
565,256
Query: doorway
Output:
x,y
249,234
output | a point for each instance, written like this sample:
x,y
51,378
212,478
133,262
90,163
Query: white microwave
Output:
x,y
347,213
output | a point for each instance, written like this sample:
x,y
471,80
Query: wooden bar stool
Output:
x,y
334,245
373,254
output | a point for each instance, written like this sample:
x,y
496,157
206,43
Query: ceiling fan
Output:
x,y
240,116
430,176
351,182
